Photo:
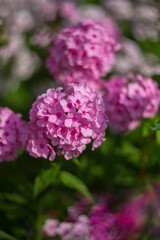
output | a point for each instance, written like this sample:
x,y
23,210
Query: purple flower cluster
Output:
x,y
130,98
100,222
106,225
84,52
12,134
103,224
64,122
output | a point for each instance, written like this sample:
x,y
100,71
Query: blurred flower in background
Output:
x,y
128,99
101,221
84,52
26,24
143,16
142,21
130,58
120,9
13,133
29,27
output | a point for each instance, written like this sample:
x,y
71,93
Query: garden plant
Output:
x,y
79,120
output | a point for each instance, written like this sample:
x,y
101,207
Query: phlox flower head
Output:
x,y
98,14
108,225
78,230
104,224
112,30
13,132
84,52
99,222
64,122
69,11
130,98
122,224
50,228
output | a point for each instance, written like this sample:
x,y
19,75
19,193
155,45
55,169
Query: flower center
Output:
x,y
136,91
74,53
84,54
6,134
94,36
73,132
74,119
16,123
58,115
85,126
69,105
7,121
55,100
80,135
77,42
78,101
63,130
41,145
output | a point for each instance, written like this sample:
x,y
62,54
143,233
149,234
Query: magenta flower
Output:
x,y
64,122
84,52
100,223
106,225
130,98
50,228
12,134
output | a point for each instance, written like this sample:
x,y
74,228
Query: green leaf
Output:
x,y
158,136
4,235
74,182
156,127
16,198
45,179
76,162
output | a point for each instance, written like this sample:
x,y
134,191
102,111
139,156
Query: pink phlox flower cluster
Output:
x,y
13,132
112,30
49,11
69,11
66,9
99,222
104,224
80,208
50,227
84,52
65,122
78,230
130,98
120,225
133,213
